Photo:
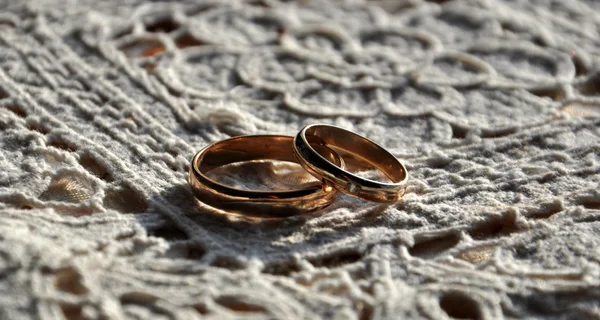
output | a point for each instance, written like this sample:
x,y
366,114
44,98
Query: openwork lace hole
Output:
x,y
149,66
137,297
72,311
589,203
9,24
365,311
580,68
406,44
459,306
258,3
555,94
187,40
37,126
195,252
125,200
3,93
164,25
16,109
431,247
494,228
95,167
61,143
494,134
240,305
168,232
227,263
591,86
281,268
336,259
201,308
459,20
181,250
142,48
69,280
459,132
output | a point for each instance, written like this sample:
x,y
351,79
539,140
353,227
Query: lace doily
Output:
x,y
493,105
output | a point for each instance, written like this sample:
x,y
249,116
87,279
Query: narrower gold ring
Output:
x,y
356,146
264,204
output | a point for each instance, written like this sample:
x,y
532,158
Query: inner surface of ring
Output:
x,y
263,175
360,148
245,150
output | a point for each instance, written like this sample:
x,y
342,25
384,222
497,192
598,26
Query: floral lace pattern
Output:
x,y
493,105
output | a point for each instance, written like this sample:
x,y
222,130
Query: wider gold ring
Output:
x,y
358,147
264,204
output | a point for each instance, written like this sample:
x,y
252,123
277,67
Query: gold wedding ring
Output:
x,y
264,204
357,146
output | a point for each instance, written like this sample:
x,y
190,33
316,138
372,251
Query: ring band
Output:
x,y
264,204
359,147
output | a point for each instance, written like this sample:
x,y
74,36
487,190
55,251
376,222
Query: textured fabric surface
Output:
x,y
493,105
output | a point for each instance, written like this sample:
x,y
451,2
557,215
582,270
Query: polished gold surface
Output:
x,y
267,204
357,147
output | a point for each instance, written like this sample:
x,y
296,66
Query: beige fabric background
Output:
x,y
492,104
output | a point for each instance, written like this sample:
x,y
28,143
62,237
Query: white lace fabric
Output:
x,y
493,105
